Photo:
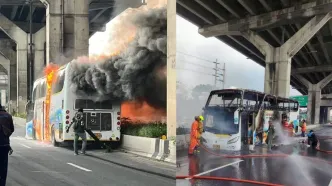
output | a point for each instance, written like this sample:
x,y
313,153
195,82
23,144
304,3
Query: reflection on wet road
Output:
x,y
303,166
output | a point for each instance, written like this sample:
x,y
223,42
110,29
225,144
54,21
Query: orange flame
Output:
x,y
141,111
50,73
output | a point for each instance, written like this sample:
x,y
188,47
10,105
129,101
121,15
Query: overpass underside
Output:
x,y
291,39
60,32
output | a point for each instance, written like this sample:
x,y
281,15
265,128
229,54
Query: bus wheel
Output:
x,y
54,142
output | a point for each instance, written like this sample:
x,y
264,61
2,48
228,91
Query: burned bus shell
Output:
x,y
232,116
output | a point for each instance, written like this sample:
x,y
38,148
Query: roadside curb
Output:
x,y
132,167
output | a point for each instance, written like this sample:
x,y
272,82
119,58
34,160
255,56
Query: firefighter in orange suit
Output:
x,y
194,136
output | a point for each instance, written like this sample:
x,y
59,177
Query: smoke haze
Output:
x,y
137,72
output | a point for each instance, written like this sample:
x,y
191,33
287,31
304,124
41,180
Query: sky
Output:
x,y
240,71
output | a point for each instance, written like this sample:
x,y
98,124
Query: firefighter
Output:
x,y
291,129
194,136
312,139
303,126
270,135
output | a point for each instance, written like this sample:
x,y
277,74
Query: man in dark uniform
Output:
x,y
6,130
312,139
79,130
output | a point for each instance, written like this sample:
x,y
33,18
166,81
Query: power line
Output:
x,y
196,64
195,71
195,57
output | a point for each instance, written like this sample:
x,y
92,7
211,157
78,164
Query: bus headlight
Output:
x,y
233,140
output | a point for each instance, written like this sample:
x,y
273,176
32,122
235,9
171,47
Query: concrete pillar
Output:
x,y
3,98
314,99
6,48
39,39
22,75
67,29
4,67
277,72
171,77
21,39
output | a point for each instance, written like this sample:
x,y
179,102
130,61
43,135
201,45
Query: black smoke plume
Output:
x,y
135,74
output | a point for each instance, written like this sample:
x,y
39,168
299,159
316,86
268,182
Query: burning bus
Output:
x,y
55,104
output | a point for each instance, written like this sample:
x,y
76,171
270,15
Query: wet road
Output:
x,y
303,167
35,164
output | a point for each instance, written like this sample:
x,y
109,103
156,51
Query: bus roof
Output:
x,y
239,90
60,68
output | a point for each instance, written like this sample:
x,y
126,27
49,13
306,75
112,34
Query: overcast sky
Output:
x,y
240,71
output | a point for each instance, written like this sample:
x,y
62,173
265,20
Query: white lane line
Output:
x,y
217,169
25,146
330,184
79,167
48,172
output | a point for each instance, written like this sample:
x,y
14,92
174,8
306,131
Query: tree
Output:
x,y
200,89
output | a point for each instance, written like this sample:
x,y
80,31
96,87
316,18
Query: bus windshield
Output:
x,y
225,100
220,113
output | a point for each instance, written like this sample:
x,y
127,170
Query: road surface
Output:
x,y
303,166
37,164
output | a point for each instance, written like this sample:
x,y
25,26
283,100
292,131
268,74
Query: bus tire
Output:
x,y
54,142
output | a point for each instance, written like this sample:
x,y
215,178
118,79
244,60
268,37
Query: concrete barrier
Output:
x,y
19,121
149,147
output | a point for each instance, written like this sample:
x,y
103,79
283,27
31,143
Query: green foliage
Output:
x,y
199,89
150,130
20,115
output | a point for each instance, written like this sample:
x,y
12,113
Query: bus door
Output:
x,y
244,128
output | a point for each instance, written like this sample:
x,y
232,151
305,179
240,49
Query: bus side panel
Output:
x,y
56,115
39,121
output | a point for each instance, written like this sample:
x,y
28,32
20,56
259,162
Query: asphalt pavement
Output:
x,y
35,163
297,165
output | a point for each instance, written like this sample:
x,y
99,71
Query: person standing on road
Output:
x,y
303,128
6,130
270,135
194,136
79,130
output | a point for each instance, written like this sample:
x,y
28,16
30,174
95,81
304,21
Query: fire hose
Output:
x,y
228,179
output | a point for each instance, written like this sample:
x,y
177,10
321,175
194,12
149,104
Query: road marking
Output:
x,y
48,172
79,167
25,146
330,184
217,169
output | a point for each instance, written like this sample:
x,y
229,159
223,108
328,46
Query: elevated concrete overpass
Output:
x,y
61,31
290,38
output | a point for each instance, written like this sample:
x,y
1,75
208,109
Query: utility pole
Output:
x,y
216,73
223,76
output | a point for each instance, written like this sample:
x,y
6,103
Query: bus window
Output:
x,y
80,103
106,104
58,84
225,99
91,105
38,91
43,90
34,94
